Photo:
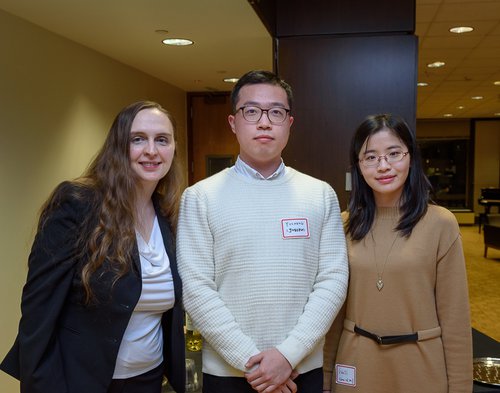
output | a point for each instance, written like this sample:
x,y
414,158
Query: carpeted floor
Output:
x,y
484,282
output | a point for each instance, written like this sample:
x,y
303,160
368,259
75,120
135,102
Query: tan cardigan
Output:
x,y
425,287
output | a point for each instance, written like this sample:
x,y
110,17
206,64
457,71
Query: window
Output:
x,y
445,162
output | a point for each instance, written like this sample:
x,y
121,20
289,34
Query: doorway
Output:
x,y
212,146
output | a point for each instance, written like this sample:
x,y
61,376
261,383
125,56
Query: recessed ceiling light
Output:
x,y
496,83
448,115
461,29
230,80
496,114
436,64
422,84
477,97
460,107
177,41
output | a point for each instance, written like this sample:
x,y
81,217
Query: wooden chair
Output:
x,y
490,196
491,231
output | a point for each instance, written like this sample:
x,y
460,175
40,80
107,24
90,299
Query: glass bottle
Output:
x,y
194,340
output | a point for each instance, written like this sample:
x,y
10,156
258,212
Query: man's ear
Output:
x,y
291,120
230,120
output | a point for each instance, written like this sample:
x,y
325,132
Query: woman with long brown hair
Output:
x,y
102,308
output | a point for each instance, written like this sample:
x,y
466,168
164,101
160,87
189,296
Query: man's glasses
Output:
x,y
252,114
371,160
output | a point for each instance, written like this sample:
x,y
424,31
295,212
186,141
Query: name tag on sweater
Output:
x,y
295,228
345,375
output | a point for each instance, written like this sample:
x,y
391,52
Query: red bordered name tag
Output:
x,y
295,228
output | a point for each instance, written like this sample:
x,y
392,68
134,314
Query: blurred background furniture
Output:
x,y
490,197
491,230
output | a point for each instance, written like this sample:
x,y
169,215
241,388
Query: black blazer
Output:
x,y
64,346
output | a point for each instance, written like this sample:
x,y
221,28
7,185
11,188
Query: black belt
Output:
x,y
387,340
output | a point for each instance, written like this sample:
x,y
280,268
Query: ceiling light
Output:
x,y
477,97
230,80
460,107
448,115
461,29
422,84
436,64
177,41
496,83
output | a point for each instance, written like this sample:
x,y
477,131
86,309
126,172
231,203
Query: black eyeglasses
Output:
x,y
253,114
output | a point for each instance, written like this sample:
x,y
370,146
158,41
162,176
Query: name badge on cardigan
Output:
x,y
295,228
345,375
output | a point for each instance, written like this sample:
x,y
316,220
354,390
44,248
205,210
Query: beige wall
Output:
x,y
486,148
57,101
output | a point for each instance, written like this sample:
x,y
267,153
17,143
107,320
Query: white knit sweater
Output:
x,y
263,265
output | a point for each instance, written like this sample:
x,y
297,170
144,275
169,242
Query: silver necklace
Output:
x,y
380,273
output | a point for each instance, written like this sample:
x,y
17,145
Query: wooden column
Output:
x,y
345,59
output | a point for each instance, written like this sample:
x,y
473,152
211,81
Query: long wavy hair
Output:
x,y
415,196
108,233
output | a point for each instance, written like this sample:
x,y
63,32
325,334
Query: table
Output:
x,y
484,346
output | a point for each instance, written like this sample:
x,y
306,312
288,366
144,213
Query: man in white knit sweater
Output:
x,y
262,255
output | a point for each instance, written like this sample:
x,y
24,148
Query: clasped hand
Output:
x,y
273,375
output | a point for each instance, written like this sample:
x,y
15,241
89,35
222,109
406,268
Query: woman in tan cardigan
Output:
x,y
405,326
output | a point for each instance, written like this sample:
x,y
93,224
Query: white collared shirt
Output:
x,y
243,169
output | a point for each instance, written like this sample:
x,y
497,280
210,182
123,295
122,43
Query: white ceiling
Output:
x,y
230,39
472,59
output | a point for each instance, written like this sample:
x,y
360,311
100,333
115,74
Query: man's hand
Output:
x,y
288,387
273,372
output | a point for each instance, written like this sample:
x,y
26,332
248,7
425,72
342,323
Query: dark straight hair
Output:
x,y
260,77
415,196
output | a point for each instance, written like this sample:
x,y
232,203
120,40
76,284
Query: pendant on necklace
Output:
x,y
380,273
